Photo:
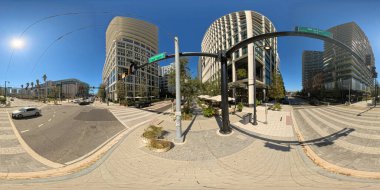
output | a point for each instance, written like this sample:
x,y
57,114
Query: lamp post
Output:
x,y
5,89
254,81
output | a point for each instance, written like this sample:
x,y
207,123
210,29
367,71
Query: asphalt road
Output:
x,y
67,132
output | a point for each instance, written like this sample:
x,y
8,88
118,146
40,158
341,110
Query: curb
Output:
x,y
327,165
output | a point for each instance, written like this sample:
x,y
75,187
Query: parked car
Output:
x,y
84,102
77,100
26,112
315,102
142,103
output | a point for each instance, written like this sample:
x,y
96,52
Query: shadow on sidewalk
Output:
x,y
320,142
360,114
184,134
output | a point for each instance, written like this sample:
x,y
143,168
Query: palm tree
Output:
x,y
45,77
32,84
27,92
38,88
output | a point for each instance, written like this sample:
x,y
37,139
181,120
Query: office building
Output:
x,y
130,40
312,64
344,73
228,31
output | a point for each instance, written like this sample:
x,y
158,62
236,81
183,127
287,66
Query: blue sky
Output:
x,y
72,44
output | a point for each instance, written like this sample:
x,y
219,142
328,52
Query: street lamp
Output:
x,y
254,80
5,89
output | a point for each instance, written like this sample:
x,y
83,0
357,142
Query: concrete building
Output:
x,y
131,40
312,65
66,88
166,90
344,73
226,32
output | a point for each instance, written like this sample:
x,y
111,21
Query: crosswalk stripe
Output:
x,y
127,115
135,118
345,120
337,128
339,142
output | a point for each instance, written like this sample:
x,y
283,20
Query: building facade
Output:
x,y
66,88
166,90
228,31
343,72
312,65
130,40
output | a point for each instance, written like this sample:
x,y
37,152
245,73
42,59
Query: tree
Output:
x,y
102,92
44,78
38,88
276,88
184,72
120,90
241,74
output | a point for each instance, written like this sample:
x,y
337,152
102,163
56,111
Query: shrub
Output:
x,y
2,100
240,107
208,112
187,116
155,130
276,106
186,109
149,134
159,144
258,102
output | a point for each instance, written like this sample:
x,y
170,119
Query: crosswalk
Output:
x,y
9,144
131,116
350,137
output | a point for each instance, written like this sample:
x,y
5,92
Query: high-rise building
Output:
x,y
312,64
130,40
228,31
343,71
165,88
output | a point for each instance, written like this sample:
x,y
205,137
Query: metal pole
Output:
x,y
179,137
5,91
254,86
349,93
226,129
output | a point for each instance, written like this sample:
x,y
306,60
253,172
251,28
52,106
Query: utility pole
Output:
x,y
5,90
178,137
254,85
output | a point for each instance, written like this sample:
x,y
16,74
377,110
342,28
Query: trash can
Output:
x,y
247,118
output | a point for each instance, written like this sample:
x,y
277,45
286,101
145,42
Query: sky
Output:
x,y
66,39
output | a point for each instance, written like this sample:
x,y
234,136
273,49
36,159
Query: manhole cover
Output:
x,y
93,126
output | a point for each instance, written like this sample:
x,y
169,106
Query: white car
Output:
x,y
26,112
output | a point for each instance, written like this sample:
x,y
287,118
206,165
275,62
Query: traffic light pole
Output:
x,y
225,129
178,137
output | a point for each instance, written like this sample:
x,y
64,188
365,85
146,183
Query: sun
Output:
x,y
17,43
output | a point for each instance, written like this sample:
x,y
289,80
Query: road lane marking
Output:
x,y
49,120
30,151
54,115
40,125
24,131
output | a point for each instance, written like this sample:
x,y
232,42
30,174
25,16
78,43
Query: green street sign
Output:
x,y
313,31
157,57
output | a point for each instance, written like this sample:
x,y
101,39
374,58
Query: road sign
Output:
x,y
157,57
313,31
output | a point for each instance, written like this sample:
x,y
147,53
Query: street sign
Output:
x,y
157,57
313,31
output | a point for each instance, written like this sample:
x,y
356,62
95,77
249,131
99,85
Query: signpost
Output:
x,y
313,31
157,57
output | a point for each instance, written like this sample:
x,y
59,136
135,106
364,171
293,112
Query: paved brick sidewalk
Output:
x,y
239,161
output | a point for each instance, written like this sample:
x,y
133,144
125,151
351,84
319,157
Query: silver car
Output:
x,y
26,112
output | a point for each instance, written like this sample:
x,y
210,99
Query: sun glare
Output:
x,y
17,43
